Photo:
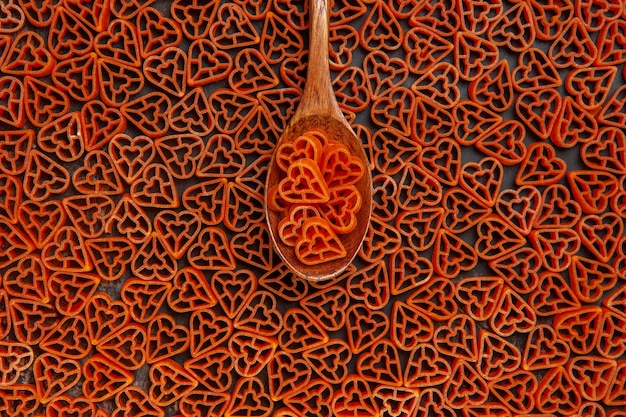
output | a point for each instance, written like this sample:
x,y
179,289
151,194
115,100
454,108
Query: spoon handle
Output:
x,y
318,97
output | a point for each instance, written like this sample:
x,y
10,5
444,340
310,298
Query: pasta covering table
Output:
x,y
136,272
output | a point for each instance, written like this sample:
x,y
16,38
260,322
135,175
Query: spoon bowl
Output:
x,y
318,110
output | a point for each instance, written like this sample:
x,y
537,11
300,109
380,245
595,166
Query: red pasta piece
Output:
x,y
189,115
165,338
11,191
144,298
432,401
612,111
118,82
153,261
251,72
156,32
129,219
69,339
27,279
28,56
370,285
398,400
119,42
473,122
315,398
80,406
610,47
615,395
12,102
111,256
189,291
134,398
260,315
383,74
72,292
104,316
408,270
421,326
592,189
426,368
250,388
458,338
551,17
69,36
232,28
475,392
95,16
479,296
473,55
461,211
243,208
207,331
170,382
380,364
18,357
544,349
441,16
278,40
253,246
26,312
54,376
505,142
611,339
439,85
194,17
212,369
514,28
424,47
391,150
344,40
287,375
209,401
496,239
300,332
38,14
574,37
14,149
19,399
63,137
354,388
43,102
365,327
557,380
101,123
442,160
513,314
66,252
13,18
126,346
220,158
496,356
596,14
381,16
232,289
452,255
516,390
149,113
553,295
242,344
519,268
593,374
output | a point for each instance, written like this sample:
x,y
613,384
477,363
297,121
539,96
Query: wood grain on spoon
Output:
x,y
318,109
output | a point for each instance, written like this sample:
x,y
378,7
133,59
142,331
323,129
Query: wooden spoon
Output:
x,y
318,109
